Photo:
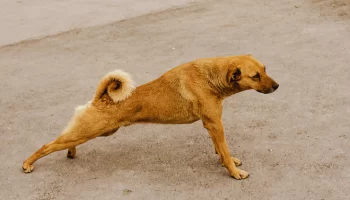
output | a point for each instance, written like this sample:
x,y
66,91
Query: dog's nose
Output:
x,y
275,86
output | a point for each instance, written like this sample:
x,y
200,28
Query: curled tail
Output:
x,y
117,84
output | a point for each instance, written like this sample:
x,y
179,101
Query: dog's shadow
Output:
x,y
179,157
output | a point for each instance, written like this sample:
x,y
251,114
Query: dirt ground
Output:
x,y
294,142
23,19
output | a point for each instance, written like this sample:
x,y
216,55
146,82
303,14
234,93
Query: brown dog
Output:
x,y
190,92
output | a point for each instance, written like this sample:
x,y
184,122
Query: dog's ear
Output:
x,y
235,75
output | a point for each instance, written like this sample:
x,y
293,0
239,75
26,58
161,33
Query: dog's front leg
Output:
x,y
216,132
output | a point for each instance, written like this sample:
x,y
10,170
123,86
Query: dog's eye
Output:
x,y
256,76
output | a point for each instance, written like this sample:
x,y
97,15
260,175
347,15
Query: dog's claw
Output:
x,y
70,155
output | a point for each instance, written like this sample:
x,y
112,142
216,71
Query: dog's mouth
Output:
x,y
266,91
269,90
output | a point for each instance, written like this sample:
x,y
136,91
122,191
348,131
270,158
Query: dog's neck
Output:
x,y
225,91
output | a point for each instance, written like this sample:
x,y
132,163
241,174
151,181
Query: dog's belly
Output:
x,y
167,121
171,113
168,117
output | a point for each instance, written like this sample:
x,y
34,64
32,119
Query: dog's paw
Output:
x,y
71,153
240,174
234,160
27,168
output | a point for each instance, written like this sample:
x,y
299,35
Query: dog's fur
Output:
x,y
187,93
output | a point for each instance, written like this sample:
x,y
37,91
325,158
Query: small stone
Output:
x,y
126,192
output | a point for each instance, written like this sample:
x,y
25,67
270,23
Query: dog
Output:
x,y
185,94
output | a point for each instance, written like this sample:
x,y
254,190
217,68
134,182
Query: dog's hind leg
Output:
x,y
72,150
63,142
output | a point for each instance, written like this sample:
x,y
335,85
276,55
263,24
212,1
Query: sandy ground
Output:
x,y
294,142
27,19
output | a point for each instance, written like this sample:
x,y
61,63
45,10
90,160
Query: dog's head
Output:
x,y
247,72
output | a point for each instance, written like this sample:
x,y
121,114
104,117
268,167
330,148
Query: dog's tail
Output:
x,y
118,85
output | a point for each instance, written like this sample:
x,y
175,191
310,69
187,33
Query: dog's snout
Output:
x,y
275,86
